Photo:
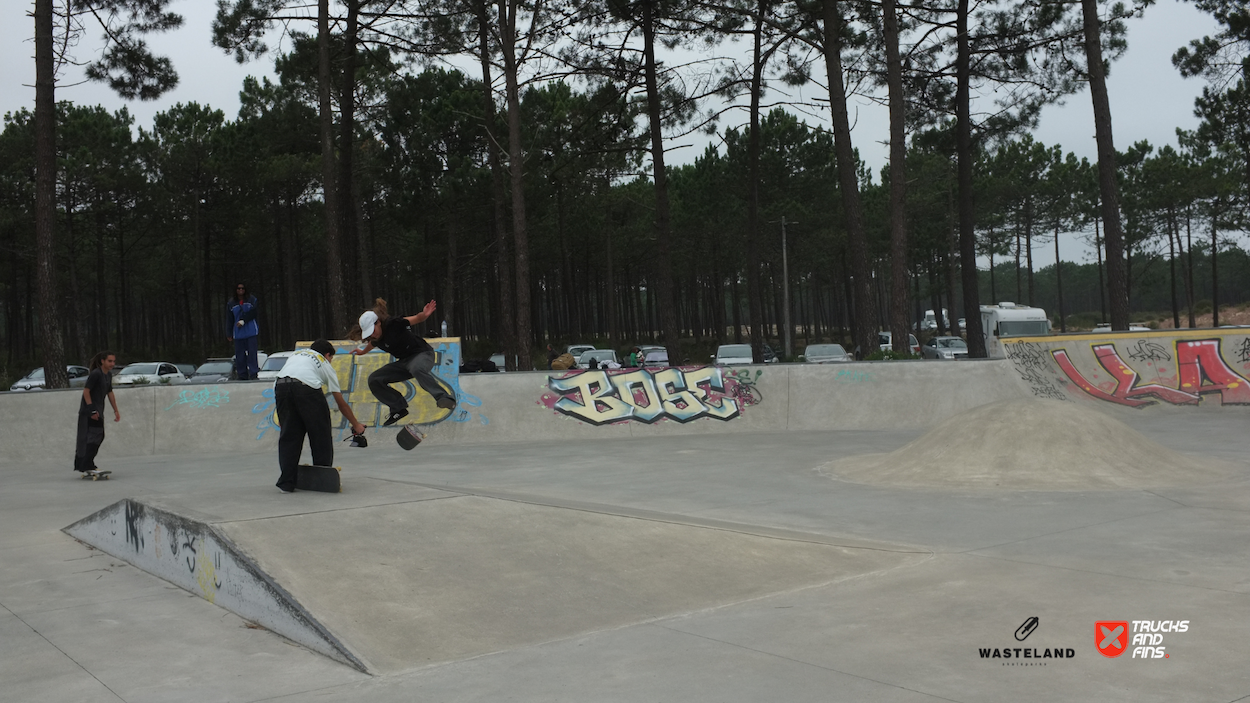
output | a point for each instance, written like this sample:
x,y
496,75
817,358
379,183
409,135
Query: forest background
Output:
x,y
501,158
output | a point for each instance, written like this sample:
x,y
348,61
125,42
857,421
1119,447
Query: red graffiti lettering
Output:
x,y
1201,369
1200,361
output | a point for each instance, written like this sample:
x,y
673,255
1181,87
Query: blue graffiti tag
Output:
x,y
213,397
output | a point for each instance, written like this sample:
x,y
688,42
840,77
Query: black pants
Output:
x,y
90,437
302,410
416,367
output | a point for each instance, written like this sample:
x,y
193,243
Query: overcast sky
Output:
x,y
1149,99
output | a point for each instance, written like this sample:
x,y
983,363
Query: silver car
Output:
x,y
945,348
825,354
33,381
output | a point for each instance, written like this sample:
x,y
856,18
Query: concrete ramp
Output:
x,y
188,551
399,584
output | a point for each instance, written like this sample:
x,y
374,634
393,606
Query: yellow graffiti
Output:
x,y
353,372
206,574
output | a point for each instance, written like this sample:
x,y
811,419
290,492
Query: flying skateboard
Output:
x,y
318,478
96,475
409,436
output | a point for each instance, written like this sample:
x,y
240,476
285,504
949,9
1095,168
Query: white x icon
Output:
x,y
1109,637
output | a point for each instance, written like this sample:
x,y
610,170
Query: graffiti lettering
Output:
x,y
647,396
1025,356
1148,351
850,375
204,398
1200,370
134,514
1243,352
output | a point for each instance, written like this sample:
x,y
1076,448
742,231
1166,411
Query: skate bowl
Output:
x,y
1152,372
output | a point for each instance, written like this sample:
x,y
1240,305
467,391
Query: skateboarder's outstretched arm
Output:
x,y
423,315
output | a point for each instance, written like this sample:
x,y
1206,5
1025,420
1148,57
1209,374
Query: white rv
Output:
x,y
1010,320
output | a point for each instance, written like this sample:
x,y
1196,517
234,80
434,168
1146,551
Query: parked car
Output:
x,y
149,372
578,349
600,355
499,361
737,354
214,371
945,348
656,357
187,370
825,354
886,339
33,381
273,364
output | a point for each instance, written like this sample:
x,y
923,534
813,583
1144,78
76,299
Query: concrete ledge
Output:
x,y
192,554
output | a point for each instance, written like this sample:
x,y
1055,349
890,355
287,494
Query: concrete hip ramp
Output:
x,y
396,576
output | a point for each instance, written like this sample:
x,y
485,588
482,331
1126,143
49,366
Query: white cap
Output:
x,y
367,321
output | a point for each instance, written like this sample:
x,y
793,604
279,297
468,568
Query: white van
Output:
x,y
1010,320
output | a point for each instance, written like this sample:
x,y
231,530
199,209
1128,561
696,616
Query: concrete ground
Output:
x,y
872,593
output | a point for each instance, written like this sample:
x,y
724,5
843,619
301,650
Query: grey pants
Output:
x,y
416,367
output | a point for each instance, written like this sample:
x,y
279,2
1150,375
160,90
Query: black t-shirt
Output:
x,y
399,339
100,384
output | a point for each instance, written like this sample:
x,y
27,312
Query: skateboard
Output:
x,y
409,436
96,475
318,478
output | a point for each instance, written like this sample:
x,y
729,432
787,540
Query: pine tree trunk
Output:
x,y
963,146
334,271
754,230
503,261
516,172
900,286
1117,266
663,228
45,200
848,182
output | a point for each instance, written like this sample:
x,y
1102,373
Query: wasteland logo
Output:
x,y
1026,656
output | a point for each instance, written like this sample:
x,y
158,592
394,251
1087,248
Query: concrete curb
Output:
x,y
192,554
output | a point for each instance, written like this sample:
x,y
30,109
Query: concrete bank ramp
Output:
x,y
1031,444
395,576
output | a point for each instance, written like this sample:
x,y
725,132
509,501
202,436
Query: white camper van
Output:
x,y
1010,320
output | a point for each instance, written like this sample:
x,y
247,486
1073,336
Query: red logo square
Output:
x,y
1111,637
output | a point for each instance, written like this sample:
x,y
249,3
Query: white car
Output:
x,y
825,354
273,364
578,349
886,339
738,354
148,372
33,381
945,348
599,355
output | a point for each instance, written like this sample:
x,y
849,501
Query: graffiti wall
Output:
x,y
653,395
195,556
353,372
1181,367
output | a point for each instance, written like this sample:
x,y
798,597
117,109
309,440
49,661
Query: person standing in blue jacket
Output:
x,y
244,332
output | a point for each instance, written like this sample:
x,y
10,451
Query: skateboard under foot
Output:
x,y
96,475
318,478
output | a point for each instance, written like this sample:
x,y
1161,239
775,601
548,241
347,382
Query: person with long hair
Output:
x,y
414,357
243,330
91,411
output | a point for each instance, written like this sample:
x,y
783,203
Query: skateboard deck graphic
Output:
x,y
409,436
318,478
96,475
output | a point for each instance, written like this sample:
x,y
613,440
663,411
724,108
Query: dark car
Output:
x,y
214,371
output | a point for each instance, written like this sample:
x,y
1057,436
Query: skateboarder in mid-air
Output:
x,y
415,358
302,409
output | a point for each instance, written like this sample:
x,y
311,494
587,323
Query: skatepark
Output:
x,y
847,532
